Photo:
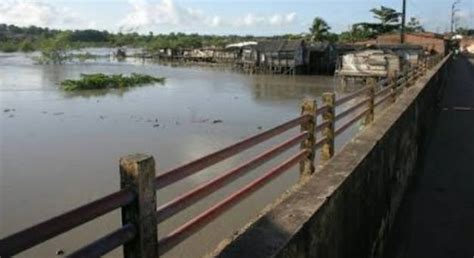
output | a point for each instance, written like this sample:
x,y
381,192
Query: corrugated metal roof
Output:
x,y
279,45
242,44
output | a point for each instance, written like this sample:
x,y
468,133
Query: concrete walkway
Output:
x,y
436,218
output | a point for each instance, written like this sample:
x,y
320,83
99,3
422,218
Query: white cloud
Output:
x,y
251,20
26,13
167,12
281,20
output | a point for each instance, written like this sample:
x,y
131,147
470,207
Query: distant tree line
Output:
x,y
14,38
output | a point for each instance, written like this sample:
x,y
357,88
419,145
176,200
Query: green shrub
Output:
x,y
102,81
8,47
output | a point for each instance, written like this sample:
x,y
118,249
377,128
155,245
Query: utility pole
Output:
x,y
453,14
404,13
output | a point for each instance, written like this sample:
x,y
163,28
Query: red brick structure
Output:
x,y
429,41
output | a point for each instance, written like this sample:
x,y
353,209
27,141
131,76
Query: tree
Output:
x,y
414,25
389,19
26,46
56,49
386,15
319,30
465,31
358,32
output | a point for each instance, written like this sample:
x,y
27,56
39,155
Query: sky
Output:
x,y
221,17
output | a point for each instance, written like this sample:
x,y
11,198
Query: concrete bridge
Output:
x,y
404,187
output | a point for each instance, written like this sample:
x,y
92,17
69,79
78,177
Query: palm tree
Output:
x,y
414,25
389,18
319,30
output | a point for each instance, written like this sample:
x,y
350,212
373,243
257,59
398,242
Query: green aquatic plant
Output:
x,y
103,81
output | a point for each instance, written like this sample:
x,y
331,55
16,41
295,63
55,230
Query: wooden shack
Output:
x,y
411,54
199,54
370,63
342,49
242,54
321,58
281,56
225,55
170,54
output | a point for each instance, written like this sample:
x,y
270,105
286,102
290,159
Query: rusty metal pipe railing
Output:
x,y
350,123
402,79
321,110
385,98
319,143
383,91
107,243
351,96
182,202
321,126
48,229
352,109
188,169
215,211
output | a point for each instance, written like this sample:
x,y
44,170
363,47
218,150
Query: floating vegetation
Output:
x,y
103,81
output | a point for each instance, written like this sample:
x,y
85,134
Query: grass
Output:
x,y
103,81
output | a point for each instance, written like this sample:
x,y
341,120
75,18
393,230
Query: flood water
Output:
x,y
60,150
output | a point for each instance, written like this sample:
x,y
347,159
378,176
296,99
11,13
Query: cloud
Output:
x,y
280,20
251,20
167,12
26,13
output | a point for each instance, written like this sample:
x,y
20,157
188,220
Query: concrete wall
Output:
x,y
347,208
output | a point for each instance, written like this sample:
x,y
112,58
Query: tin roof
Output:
x,y
279,45
241,44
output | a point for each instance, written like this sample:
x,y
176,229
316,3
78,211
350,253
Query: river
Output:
x,y
60,150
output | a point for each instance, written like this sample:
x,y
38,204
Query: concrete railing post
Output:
x,y
417,73
405,78
394,86
410,78
327,151
308,107
137,173
371,95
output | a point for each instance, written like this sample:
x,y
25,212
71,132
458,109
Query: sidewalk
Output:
x,y
436,218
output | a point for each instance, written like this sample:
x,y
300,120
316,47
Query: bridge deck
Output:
x,y
436,218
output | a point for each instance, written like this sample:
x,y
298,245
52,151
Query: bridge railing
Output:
x,y
319,126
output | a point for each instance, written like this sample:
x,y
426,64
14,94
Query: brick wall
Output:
x,y
429,41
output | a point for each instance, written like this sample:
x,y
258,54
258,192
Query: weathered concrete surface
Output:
x,y
437,215
347,208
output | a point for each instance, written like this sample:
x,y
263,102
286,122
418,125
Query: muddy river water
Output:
x,y
60,149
